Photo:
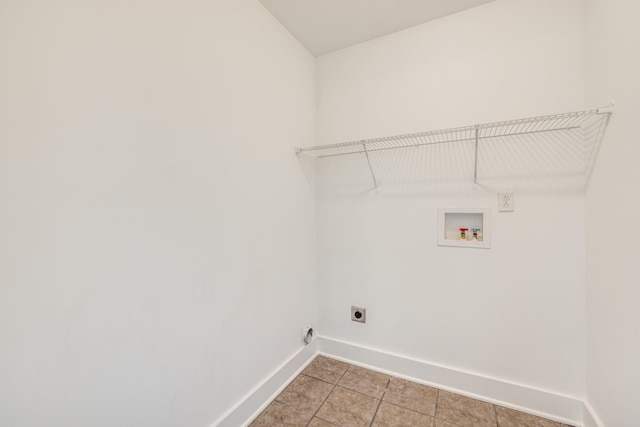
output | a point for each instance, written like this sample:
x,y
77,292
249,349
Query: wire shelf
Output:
x,y
544,146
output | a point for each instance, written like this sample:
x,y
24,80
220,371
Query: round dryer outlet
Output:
x,y
358,314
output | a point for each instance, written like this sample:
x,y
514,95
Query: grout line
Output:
x,y
314,378
380,401
329,394
435,416
321,404
275,399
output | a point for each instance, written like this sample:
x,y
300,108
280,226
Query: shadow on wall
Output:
x,y
549,156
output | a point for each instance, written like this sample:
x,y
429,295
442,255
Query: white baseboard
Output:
x,y
547,404
259,398
589,416
566,409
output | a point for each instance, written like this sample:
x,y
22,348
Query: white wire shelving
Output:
x,y
557,144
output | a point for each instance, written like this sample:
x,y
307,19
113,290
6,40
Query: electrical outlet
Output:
x,y
505,202
358,314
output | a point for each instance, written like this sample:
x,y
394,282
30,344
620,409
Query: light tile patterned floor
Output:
x,y
331,393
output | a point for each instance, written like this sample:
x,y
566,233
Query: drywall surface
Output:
x,y
513,312
486,64
613,255
157,245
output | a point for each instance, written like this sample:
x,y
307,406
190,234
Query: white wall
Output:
x,y
515,311
613,278
156,231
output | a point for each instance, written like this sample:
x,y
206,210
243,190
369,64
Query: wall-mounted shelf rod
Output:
x,y
475,161
533,125
375,183
420,144
565,130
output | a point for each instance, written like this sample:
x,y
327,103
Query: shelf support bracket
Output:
x,y
366,153
475,163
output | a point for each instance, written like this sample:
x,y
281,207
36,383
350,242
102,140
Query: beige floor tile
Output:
x,y
510,418
412,396
440,423
305,393
353,403
280,415
348,408
326,369
317,422
365,381
389,415
464,411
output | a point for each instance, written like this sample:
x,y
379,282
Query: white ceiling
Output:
x,y
323,26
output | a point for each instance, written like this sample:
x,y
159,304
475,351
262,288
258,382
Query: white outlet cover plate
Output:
x,y
505,202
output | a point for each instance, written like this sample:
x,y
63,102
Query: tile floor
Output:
x,y
331,393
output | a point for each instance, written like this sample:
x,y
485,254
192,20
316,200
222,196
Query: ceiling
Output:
x,y
323,26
